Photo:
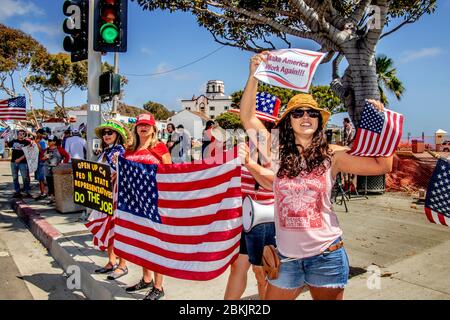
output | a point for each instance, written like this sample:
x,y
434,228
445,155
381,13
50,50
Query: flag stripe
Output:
x,y
390,135
230,203
194,203
196,266
200,233
214,253
202,184
204,219
171,272
437,218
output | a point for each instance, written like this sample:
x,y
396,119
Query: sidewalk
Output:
x,y
389,233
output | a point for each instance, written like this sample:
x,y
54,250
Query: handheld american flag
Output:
x,y
180,220
379,133
437,202
267,107
13,109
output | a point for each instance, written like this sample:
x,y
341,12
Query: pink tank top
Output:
x,y
305,223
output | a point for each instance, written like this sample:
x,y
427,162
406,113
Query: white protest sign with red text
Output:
x,y
290,68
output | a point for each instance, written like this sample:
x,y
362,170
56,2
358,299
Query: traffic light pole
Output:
x,y
93,99
115,101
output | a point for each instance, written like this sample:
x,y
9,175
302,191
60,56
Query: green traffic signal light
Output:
x,y
109,32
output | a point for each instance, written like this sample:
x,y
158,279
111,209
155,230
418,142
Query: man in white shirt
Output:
x,y
76,146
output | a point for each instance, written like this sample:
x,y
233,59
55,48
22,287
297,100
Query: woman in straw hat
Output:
x,y
307,230
115,138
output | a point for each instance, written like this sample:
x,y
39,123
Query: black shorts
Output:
x,y
253,242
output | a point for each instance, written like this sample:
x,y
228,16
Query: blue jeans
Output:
x,y
23,168
325,270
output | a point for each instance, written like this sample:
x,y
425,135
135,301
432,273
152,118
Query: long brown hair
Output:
x,y
315,158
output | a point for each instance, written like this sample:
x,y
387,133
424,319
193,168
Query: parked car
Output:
x,y
446,146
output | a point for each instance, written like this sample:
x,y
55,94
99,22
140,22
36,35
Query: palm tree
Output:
x,y
387,78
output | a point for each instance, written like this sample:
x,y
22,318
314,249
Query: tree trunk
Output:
x,y
359,81
30,100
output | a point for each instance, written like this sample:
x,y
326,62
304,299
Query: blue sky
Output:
x,y
159,41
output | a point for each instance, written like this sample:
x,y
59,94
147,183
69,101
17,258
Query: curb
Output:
x,y
53,241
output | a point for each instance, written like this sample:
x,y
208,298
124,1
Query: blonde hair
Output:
x,y
137,140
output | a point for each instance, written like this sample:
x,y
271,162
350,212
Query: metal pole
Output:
x,y
115,101
93,99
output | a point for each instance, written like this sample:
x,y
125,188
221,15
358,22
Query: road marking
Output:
x,y
4,254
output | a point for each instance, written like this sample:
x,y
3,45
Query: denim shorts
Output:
x,y
261,235
325,270
40,174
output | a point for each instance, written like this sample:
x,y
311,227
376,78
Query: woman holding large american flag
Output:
x,y
308,235
148,149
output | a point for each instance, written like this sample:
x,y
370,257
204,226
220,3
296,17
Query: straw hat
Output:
x,y
304,100
116,126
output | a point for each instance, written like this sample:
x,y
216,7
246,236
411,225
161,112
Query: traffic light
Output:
x,y
77,27
110,26
109,85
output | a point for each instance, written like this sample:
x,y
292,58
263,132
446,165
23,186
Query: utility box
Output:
x,y
418,146
63,180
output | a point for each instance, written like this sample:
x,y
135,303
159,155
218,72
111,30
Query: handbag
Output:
x,y
271,262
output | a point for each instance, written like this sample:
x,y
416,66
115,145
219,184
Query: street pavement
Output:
x,y
28,272
394,253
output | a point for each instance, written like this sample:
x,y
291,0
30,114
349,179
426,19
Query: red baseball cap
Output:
x,y
145,118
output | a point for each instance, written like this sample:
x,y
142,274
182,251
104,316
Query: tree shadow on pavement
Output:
x,y
54,285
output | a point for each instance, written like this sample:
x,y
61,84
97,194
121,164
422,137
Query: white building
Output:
x,y
193,121
213,103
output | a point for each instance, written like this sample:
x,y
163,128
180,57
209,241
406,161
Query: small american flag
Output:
x,y
267,107
180,220
5,134
379,133
437,202
13,109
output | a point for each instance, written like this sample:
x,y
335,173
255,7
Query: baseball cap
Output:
x,y
146,118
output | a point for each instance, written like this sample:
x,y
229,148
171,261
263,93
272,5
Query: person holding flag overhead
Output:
x,y
253,242
308,235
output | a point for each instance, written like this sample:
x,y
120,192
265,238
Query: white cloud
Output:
x,y
33,28
11,8
162,67
147,51
409,56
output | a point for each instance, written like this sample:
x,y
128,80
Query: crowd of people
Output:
x,y
52,151
296,183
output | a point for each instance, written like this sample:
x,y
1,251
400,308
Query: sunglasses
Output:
x,y
298,113
107,133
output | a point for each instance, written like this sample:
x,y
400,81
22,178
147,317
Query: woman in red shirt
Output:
x,y
148,150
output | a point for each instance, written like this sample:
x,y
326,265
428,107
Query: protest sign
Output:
x,y
32,155
290,68
92,185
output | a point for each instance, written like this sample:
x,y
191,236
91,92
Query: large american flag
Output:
x,y
180,220
437,202
13,109
379,133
